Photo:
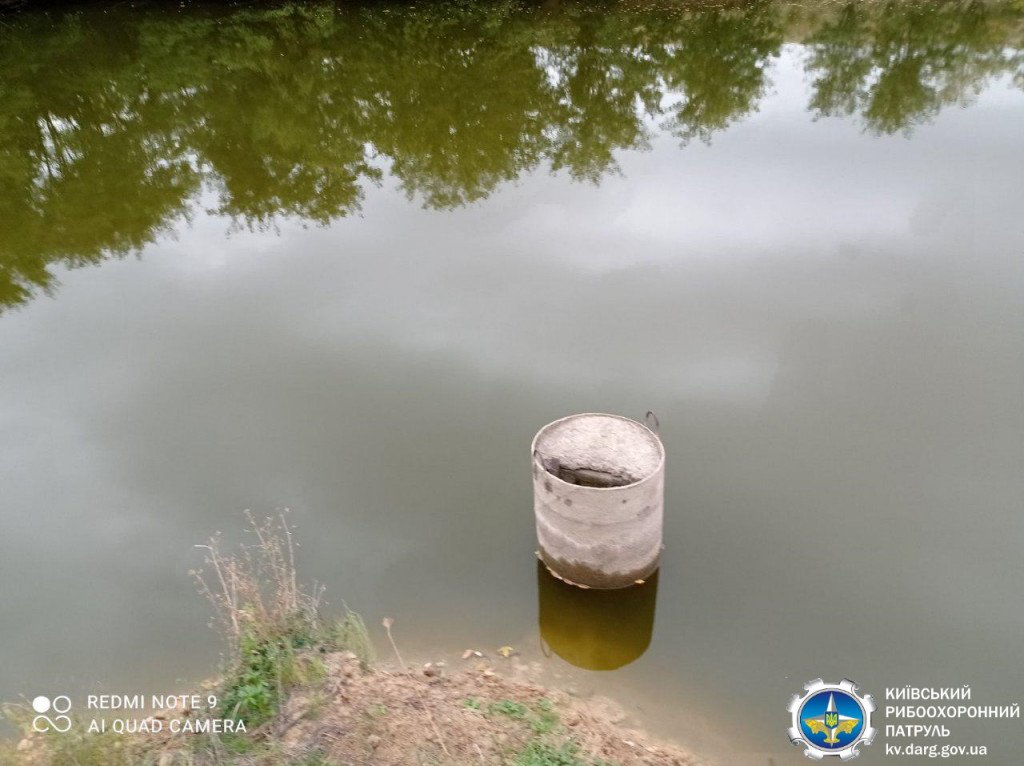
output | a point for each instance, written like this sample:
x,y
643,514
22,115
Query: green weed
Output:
x,y
350,634
510,708
540,753
546,719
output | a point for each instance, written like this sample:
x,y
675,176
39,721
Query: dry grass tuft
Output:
x,y
255,591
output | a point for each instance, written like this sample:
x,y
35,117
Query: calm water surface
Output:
x,y
347,261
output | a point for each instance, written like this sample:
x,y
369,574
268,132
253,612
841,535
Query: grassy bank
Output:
x,y
305,690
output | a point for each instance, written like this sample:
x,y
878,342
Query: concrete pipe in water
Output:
x,y
598,498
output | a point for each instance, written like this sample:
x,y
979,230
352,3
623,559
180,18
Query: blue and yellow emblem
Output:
x,y
831,719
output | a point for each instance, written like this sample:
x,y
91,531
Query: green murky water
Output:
x,y
347,260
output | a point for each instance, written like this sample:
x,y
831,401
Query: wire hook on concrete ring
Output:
x,y
651,421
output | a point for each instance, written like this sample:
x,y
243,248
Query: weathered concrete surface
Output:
x,y
605,536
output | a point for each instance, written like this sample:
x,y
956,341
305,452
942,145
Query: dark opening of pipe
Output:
x,y
585,477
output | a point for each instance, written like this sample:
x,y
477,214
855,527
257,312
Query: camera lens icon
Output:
x,y
60,705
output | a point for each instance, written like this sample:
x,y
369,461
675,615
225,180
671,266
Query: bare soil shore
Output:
x,y
392,718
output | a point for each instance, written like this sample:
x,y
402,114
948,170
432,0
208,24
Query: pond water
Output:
x,y
348,260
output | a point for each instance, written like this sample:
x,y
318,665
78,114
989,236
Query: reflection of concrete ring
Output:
x,y
595,629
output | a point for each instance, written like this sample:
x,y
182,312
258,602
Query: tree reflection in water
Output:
x,y
114,121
